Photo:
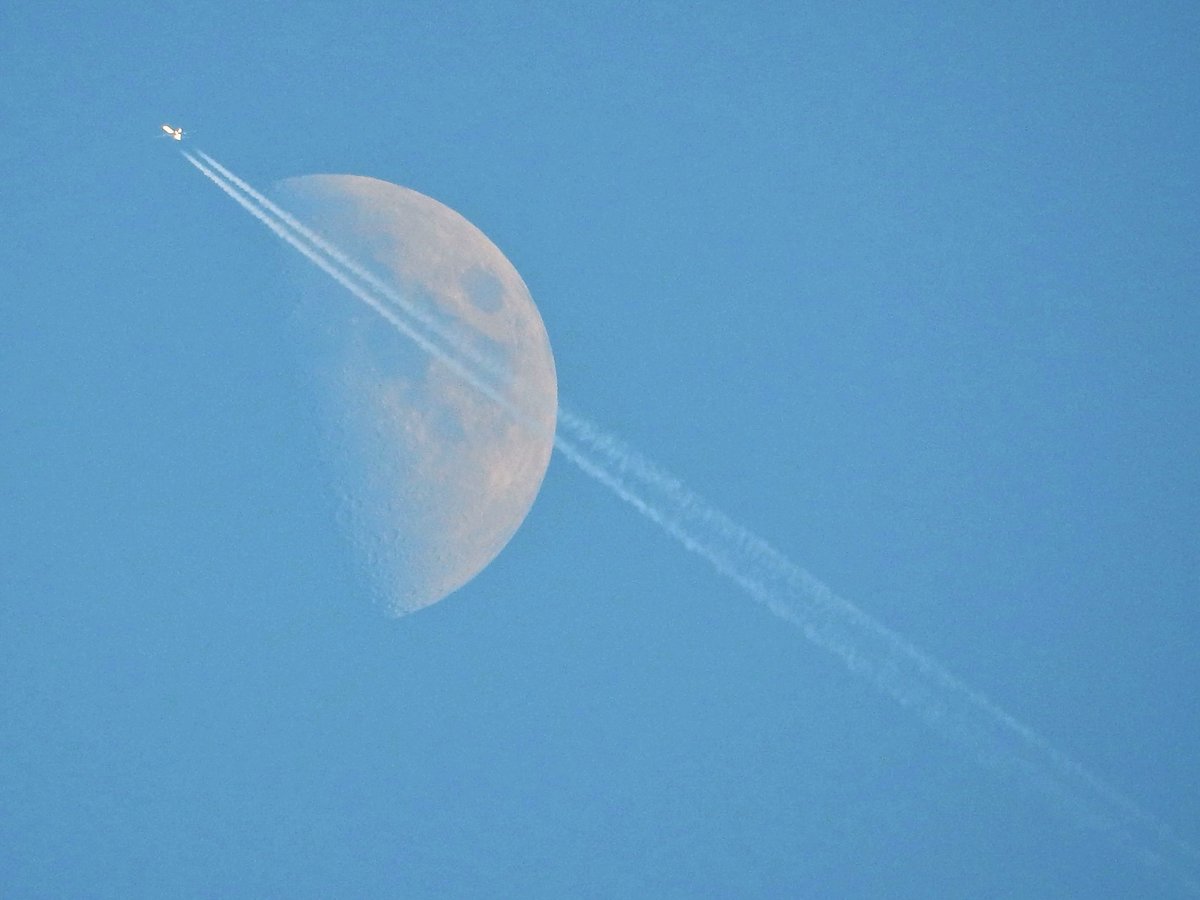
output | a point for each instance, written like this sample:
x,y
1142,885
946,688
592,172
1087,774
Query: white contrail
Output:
x,y
460,347
867,647
297,243
871,650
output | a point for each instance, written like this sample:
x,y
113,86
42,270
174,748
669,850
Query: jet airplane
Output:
x,y
176,133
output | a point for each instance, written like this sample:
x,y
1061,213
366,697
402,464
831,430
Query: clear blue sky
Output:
x,y
910,291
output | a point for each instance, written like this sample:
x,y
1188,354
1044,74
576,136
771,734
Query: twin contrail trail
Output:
x,y
458,348
864,645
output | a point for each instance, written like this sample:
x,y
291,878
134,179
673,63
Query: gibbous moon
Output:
x,y
434,476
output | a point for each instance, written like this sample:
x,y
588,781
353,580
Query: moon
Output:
x,y
433,476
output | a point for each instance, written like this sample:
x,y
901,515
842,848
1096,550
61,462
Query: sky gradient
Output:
x,y
909,293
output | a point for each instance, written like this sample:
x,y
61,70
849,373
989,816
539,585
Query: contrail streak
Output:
x,y
871,650
282,231
343,259
865,646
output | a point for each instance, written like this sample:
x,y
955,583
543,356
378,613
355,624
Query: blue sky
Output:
x,y
909,292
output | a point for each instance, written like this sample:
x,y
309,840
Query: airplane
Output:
x,y
176,133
